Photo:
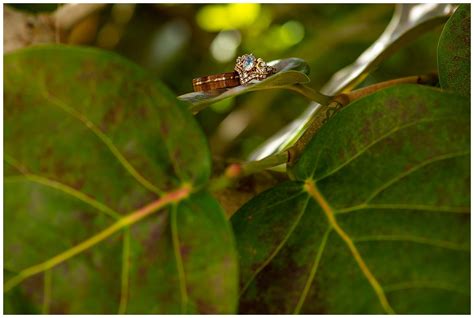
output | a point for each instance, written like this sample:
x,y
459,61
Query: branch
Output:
x,y
428,79
237,171
70,14
325,112
23,29
310,93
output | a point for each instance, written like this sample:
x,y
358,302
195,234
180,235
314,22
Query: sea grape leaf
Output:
x,y
88,138
377,219
290,71
200,229
17,301
454,52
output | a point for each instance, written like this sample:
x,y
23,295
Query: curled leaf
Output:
x,y
290,71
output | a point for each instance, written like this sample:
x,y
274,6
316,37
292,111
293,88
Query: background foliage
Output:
x,y
378,202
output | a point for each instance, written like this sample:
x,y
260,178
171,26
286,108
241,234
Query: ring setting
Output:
x,y
248,68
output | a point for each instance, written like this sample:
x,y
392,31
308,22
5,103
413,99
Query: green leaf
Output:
x,y
290,71
92,145
454,52
17,301
377,220
207,279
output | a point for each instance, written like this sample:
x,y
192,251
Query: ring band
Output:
x,y
217,81
247,69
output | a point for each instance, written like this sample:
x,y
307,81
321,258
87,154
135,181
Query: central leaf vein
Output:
x,y
63,188
313,192
105,140
125,221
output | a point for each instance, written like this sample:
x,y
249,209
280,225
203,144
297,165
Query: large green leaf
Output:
x,y
377,219
89,138
454,52
290,71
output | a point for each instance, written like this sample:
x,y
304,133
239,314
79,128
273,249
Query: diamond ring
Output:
x,y
250,68
247,69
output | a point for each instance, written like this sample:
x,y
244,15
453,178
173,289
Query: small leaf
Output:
x,y
290,71
377,220
89,138
454,52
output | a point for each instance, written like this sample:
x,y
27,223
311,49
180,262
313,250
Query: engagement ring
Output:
x,y
251,68
247,69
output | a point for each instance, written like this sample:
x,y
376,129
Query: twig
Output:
x,y
23,29
344,99
325,112
310,93
236,171
68,15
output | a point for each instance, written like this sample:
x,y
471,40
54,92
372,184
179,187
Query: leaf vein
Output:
x,y
423,284
318,197
124,286
277,249
414,239
125,221
179,260
423,164
312,273
395,206
105,140
65,189
377,140
47,285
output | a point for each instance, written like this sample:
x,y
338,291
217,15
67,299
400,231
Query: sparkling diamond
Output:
x,y
249,61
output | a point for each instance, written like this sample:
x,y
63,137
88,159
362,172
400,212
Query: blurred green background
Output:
x,y
178,42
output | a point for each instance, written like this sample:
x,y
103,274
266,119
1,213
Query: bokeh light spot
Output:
x,y
292,32
108,36
224,47
218,17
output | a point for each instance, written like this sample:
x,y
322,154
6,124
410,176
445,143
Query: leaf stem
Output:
x,y
320,117
236,171
326,111
428,79
310,93
132,218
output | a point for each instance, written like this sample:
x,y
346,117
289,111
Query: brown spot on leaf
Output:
x,y
185,250
205,307
164,128
113,116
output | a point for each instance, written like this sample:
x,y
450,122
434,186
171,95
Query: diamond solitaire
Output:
x,y
250,68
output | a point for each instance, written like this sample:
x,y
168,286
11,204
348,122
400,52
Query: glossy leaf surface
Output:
x,y
89,139
378,218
